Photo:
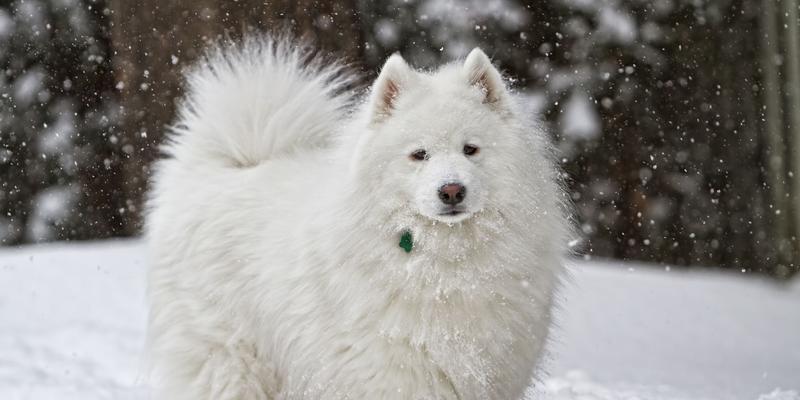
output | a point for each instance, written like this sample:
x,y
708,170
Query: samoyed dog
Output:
x,y
310,244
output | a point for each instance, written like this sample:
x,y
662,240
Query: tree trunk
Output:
x,y
792,85
775,144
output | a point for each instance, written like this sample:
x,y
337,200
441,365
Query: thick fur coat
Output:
x,y
276,217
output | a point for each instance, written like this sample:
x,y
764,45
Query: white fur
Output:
x,y
275,221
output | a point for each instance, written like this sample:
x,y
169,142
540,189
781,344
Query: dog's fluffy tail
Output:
x,y
264,98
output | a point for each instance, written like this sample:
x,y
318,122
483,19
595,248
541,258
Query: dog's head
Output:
x,y
441,145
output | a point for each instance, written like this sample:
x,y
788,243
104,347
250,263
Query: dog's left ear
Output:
x,y
482,74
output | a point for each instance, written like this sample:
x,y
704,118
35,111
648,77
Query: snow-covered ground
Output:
x,y
72,322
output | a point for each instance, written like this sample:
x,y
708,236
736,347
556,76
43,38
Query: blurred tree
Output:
x,y
55,121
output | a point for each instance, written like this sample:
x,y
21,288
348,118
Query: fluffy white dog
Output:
x,y
307,246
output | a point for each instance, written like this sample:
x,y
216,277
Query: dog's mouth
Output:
x,y
452,211
452,215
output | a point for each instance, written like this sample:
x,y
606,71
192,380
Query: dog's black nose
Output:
x,y
452,193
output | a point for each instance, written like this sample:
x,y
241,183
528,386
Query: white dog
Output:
x,y
308,247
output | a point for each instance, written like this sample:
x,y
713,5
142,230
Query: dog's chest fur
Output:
x,y
458,327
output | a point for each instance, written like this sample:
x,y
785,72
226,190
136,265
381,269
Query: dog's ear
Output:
x,y
393,79
482,74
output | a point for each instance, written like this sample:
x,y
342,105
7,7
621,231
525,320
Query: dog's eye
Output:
x,y
419,155
470,150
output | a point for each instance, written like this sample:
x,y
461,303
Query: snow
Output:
x,y
50,207
677,334
580,119
6,24
387,32
454,23
614,24
72,319
28,86
617,25
57,138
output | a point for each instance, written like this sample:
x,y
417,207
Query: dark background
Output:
x,y
676,120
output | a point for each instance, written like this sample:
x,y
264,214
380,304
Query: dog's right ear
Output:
x,y
482,74
392,81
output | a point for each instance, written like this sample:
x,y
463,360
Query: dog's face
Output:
x,y
438,144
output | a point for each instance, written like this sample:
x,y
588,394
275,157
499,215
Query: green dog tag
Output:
x,y
406,242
